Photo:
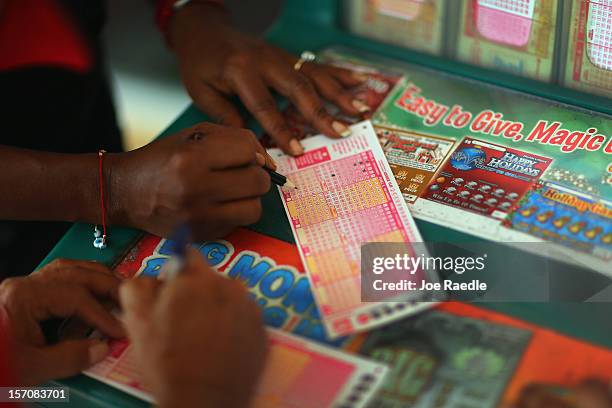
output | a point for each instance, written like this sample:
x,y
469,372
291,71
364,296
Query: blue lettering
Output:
x,y
300,297
274,316
276,283
153,267
245,270
214,252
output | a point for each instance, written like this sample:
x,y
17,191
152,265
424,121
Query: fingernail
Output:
x,y
341,128
360,106
295,147
272,162
260,159
97,351
360,76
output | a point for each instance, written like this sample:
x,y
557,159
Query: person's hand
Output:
x,y
591,393
198,339
217,61
61,289
208,176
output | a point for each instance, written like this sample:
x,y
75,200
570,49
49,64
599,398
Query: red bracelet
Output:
x,y
166,8
100,236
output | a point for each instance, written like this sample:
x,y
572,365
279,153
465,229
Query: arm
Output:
x,y
217,61
213,182
49,186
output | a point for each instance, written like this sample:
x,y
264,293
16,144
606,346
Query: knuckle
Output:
x,y
263,105
279,127
261,180
239,61
253,212
299,85
320,113
180,162
60,264
11,290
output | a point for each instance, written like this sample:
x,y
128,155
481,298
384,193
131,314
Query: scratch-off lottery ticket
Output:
x,y
485,178
589,58
413,157
505,21
347,196
516,36
299,373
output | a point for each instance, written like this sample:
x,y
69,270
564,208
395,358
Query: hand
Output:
x,y
217,61
198,340
591,393
61,289
208,176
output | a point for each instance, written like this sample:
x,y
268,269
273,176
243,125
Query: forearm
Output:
x,y
50,186
195,17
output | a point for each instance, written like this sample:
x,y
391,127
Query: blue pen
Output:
x,y
180,242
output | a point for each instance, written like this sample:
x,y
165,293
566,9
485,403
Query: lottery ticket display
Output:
x,y
298,373
589,59
485,178
515,36
414,158
346,197
579,221
415,24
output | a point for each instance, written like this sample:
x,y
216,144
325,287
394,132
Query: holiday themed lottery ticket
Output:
x,y
299,373
413,157
486,178
558,214
346,196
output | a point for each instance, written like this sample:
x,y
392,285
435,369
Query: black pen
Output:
x,y
279,179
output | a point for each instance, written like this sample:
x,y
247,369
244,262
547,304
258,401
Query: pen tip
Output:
x,y
290,184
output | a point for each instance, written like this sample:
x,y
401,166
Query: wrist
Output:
x,y
117,189
195,16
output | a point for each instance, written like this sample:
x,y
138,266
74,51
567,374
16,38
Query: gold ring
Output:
x,y
305,56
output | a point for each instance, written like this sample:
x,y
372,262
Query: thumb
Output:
x,y
70,357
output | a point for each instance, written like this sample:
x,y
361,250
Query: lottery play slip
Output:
x,y
298,373
346,196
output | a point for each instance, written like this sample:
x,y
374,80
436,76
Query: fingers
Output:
x,y
259,101
239,212
299,89
213,103
331,90
195,263
75,301
346,77
94,276
64,359
137,297
238,184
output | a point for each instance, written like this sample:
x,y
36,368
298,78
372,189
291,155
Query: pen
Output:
x,y
178,250
279,179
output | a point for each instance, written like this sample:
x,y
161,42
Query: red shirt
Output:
x,y
40,33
